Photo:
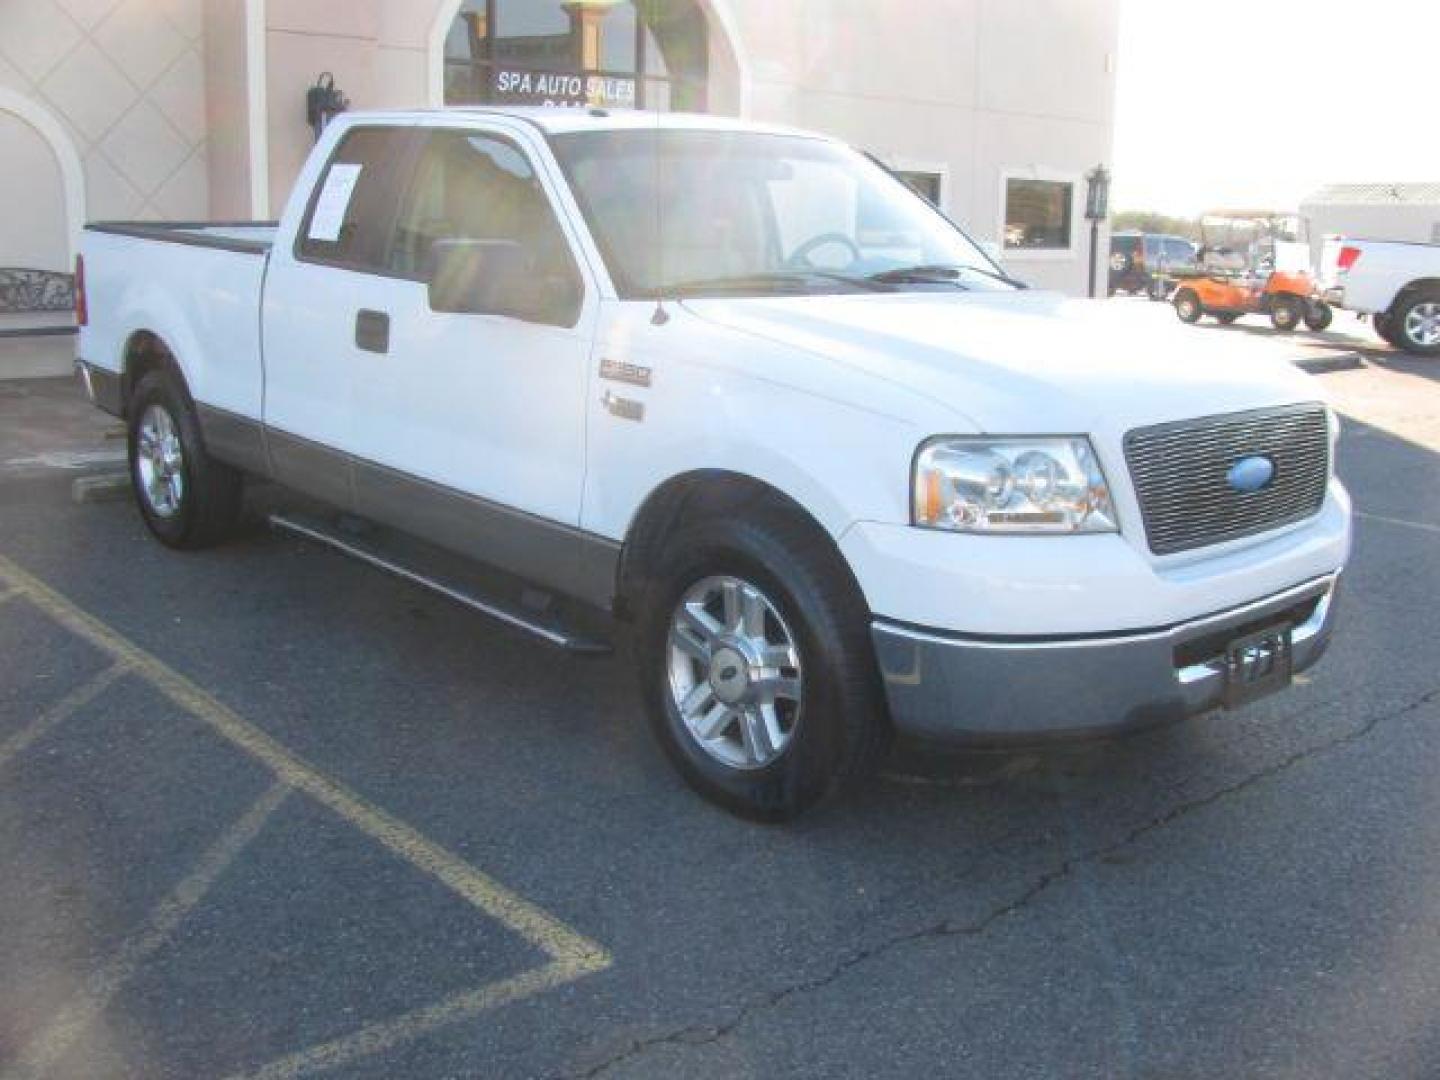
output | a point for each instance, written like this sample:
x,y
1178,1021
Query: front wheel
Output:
x,y
1415,323
758,672
1187,306
1285,313
188,499
1318,315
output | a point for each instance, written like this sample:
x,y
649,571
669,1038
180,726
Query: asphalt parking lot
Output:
x,y
265,812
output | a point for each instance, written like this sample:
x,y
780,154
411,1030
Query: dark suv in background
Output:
x,y
1140,261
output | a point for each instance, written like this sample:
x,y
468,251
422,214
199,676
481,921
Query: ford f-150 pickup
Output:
x,y
738,397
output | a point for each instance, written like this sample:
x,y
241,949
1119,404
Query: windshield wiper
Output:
x,y
787,281
940,274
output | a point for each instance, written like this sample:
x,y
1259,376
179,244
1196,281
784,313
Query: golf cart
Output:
x,y
1252,262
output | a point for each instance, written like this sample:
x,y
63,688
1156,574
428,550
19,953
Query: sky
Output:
x,y
1230,103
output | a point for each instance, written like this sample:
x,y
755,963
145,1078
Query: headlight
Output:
x,y
1051,485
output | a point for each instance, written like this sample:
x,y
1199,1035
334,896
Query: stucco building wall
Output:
x,y
195,108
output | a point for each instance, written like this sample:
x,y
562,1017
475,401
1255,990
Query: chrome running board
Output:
x,y
376,555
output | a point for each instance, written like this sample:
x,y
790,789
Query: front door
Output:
x,y
470,430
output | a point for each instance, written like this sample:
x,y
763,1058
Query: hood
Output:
x,y
1028,362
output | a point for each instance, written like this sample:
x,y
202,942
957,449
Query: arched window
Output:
x,y
648,54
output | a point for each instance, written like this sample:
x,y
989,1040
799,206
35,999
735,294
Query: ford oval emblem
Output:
x,y
1251,474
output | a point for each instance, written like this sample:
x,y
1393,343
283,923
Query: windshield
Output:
x,y
708,212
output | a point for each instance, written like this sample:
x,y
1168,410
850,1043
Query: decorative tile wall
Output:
x,y
126,80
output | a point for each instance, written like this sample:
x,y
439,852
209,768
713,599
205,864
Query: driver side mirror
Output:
x,y
496,277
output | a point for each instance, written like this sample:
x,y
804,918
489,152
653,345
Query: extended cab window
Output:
x,y
348,221
470,186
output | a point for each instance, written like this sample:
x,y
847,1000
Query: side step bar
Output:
x,y
377,555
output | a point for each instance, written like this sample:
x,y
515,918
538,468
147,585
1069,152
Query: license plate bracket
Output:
x,y
1258,664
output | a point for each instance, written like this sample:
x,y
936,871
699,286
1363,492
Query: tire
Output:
x,y
1318,315
800,604
1414,323
1225,318
1187,306
188,500
1383,328
1285,313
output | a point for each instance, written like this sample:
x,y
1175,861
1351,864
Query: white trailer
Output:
x,y
1380,211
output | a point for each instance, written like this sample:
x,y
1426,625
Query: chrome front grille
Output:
x,y
1181,475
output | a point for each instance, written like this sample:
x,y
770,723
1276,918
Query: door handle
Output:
x,y
372,331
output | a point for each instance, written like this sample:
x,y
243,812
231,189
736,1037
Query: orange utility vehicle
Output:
x,y
1252,262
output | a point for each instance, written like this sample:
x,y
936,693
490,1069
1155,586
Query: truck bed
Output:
x,y
248,237
193,285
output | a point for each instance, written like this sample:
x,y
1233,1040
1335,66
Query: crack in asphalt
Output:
x,y
699,1035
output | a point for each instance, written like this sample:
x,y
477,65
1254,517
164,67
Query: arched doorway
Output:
x,y
656,54
42,192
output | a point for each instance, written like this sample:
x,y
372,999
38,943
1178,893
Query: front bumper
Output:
x,y
948,687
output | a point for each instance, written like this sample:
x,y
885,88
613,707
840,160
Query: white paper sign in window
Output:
x,y
334,200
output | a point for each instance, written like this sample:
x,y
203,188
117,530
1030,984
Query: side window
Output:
x,y
347,223
472,186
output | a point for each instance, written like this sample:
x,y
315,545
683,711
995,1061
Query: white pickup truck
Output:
x,y
738,393
1395,282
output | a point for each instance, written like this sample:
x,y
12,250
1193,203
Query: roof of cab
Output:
x,y
554,120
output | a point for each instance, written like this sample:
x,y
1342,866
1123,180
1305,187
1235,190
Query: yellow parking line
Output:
x,y
74,1018
571,955
387,1033
67,706
8,594
1422,526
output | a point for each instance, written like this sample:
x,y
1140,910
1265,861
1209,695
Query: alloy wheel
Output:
x,y
1422,324
734,671
160,461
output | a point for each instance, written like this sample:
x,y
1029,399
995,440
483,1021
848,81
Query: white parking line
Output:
x,y
1404,524
70,1023
67,706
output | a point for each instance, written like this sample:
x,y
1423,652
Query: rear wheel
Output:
x,y
1318,315
188,499
1415,323
1187,306
1384,328
758,672
1286,313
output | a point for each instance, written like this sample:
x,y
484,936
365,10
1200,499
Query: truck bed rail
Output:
x,y
246,237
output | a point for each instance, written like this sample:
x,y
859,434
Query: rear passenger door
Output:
x,y
324,332
470,430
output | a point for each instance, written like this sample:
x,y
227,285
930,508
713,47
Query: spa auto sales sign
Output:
x,y
514,87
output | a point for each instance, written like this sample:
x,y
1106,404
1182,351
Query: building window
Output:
x,y
1038,214
928,185
608,53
